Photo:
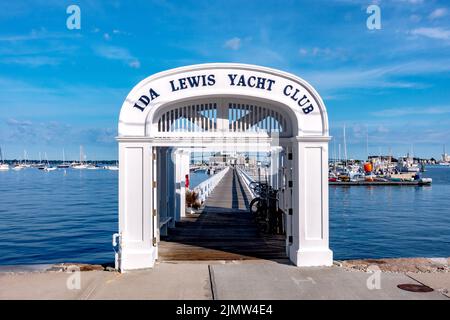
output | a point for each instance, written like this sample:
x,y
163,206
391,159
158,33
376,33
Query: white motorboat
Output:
x,y
79,166
48,167
407,164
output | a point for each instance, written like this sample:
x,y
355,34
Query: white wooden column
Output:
x,y
137,250
179,200
310,246
181,158
274,166
171,186
287,193
162,188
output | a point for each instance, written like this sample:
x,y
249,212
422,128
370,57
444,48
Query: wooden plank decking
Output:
x,y
224,231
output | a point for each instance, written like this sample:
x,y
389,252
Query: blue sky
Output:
x,y
60,88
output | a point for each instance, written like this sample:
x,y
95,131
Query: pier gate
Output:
x,y
226,107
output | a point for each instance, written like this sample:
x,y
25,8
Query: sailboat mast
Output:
x,y
367,142
345,147
339,152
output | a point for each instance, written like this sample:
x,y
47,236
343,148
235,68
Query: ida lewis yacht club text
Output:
x,y
233,79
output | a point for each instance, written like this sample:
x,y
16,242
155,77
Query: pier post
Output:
x,y
171,186
310,246
162,194
181,158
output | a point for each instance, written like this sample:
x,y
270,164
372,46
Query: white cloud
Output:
x,y
117,53
233,43
434,33
106,36
413,1
35,61
325,52
135,64
412,111
438,13
39,34
378,77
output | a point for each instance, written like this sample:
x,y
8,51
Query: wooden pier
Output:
x,y
378,183
224,230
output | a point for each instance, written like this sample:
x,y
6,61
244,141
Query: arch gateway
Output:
x,y
221,106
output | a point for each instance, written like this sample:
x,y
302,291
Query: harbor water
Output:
x,y
70,216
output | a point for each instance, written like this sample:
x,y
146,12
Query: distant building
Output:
x,y
383,158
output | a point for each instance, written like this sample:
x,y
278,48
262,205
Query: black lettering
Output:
x,y
285,91
250,80
172,85
308,109
261,83
294,96
211,80
271,82
232,78
153,94
143,100
241,81
194,81
303,98
182,82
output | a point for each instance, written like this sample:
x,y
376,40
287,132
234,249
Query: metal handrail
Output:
x,y
247,181
205,188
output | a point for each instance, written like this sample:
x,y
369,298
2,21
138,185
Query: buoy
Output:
x,y
368,167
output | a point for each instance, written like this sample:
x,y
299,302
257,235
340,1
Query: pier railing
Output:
x,y
247,179
205,188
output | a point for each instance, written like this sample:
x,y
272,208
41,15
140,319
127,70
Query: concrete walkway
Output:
x,y
219,280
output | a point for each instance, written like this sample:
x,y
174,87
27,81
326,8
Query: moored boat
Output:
x,y
3,166
63,165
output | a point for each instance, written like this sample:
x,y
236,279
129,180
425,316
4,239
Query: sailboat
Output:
x,y
48,167
114,167
18,166
40,165
445,159
64,164
25,158
80,165
3,166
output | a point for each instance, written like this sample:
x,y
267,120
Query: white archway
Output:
x,y
220,104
